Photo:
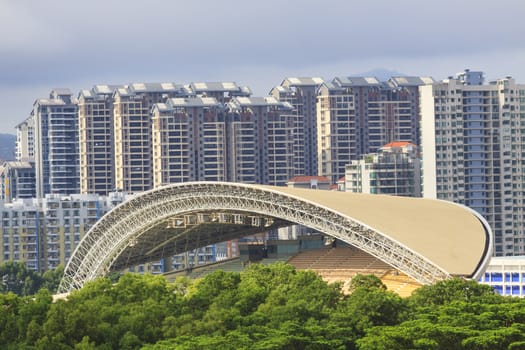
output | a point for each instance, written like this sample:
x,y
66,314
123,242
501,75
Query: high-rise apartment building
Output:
x,y
132,132
96,141
259,132
394,170
473,151
358,115
17,180
223,92
201,139
189,140
56,143
301,93
25,140
22,233
66,219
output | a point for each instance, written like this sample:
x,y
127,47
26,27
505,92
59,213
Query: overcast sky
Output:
x,y
77,44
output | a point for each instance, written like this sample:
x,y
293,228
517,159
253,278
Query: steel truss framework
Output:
x,y
120,228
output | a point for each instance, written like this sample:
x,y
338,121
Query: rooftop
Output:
x,y
307,179
399,144
411,81
152,87
215,86
193,101
306,81
357,81
17,165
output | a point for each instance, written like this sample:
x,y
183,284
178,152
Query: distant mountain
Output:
x,y
382,74
7,147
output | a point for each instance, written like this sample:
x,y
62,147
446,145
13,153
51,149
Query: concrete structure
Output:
x,y
56,143
358,115
17,180
394,170
473,151
301,93
423,238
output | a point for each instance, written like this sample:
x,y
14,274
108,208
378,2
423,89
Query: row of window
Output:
x,y
500,277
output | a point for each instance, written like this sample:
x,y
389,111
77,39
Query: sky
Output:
x,y
78,44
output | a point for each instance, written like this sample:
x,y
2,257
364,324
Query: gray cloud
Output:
x,y
73,44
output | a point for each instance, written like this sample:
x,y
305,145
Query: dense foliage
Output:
x,y
265,307
17,278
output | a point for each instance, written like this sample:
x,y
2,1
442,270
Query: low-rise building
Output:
x,y
44,232
506,275
17,180
394,170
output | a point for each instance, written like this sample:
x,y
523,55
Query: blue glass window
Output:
x,y
496,277
507,277
515,277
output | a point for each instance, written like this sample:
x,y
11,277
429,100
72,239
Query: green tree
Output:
x,y
17,278
454,289
51,278
265,307
9,306
366,282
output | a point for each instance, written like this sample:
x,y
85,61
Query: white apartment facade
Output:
x,y
25,140
358,115
189,140
506,275
44,232
301,93
96,140
132,133
394,170
199,138
56,143
17,180
473,151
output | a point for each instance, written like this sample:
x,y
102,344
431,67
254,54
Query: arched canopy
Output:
x,y
429,240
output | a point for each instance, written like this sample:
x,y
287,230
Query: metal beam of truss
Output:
x,y
122,227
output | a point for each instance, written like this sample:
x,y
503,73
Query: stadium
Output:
x,y
410,241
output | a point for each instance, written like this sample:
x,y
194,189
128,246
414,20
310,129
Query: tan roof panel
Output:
x,y
449,235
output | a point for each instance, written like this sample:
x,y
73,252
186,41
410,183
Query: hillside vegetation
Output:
x,y
7,147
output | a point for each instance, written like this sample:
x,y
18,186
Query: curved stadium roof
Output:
x,y
428,239
452,236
